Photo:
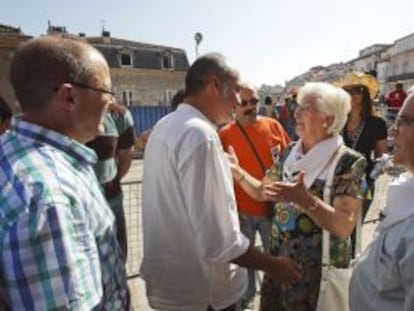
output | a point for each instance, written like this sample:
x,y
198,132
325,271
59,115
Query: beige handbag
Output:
x,y
334,287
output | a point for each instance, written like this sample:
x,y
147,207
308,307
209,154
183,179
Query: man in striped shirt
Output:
x,y
58,246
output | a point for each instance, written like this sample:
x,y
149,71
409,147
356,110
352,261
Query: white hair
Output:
x,y
249,86
329,99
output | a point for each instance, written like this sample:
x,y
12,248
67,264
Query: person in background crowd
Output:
x,y
268,108
58,246
383,277
265,140
177,99
297,184
287,115
113,147
364,131
5,116
396,98
193,248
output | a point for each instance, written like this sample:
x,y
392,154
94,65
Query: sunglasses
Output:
x,y
253,101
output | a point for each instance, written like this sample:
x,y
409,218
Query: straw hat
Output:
x,y
357,78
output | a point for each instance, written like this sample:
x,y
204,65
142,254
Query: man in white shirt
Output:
x,y
193,248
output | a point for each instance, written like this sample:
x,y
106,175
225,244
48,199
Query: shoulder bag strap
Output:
x,y
327,192
251,146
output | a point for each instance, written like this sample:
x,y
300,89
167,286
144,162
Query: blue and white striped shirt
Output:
x,y
58,247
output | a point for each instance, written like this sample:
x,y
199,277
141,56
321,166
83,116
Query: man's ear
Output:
x,y
64,96
70,98
215,84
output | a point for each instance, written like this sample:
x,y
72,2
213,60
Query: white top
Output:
x,y
190,220
383,278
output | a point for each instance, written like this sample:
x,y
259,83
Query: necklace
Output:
x,y
353,136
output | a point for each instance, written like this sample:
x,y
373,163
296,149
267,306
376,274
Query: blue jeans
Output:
x,y
249,226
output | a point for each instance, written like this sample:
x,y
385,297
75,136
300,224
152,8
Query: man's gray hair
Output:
x,y
42,64
249,86
329,99
212,64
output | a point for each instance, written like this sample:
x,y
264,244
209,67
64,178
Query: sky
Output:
x,y
268,41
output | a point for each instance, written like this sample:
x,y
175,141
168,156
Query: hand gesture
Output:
x,y
284,191
232,159
142,140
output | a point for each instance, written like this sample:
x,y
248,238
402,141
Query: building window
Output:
x,y
127,98
125,59
167,61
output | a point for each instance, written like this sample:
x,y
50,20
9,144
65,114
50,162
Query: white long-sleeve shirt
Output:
x,y
190,221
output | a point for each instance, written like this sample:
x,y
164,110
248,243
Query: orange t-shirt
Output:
x,y
270,139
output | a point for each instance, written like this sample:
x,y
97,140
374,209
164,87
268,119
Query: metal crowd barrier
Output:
x,y
132,209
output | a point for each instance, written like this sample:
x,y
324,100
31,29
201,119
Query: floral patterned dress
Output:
x,y
295,235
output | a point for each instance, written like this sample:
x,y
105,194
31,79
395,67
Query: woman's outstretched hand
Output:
x,y
278,191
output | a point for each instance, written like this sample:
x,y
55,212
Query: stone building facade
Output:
x,y
142,74
329,73
10,39
400,62
391,63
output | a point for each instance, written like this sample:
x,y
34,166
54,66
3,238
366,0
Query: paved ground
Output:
x,y
133,196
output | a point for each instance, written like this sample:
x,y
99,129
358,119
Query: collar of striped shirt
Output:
x,y
38,133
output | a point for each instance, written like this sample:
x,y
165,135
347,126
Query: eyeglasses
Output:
x,y
86,86
303,108
403,120
253,101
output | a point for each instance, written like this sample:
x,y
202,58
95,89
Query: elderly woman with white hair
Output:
x,y
296,186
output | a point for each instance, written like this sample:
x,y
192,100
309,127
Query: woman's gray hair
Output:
x,y
329,99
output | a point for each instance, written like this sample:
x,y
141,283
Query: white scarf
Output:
x,y
313,163
400,198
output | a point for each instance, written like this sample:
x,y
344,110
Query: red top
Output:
x,y
396,98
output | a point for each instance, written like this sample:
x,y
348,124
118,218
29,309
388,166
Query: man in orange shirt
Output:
x,y
257,142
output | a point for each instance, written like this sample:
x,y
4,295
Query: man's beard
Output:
x,y
250,112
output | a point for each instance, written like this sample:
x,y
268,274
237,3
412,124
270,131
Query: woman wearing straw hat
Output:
x,y
364,131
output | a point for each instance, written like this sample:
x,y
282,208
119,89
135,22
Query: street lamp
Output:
x,y
197,37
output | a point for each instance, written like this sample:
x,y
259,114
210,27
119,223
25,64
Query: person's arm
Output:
x,y
381,138
405,262
50,260
339,218
281,269
124,160
209,195
380,148
126,140
142,139
251,185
